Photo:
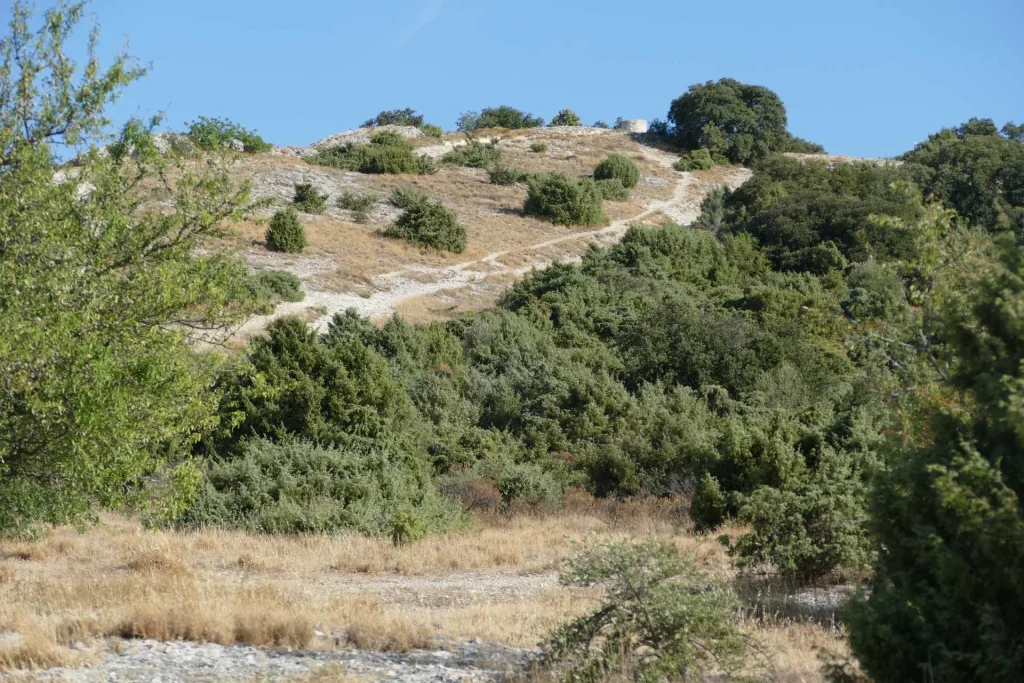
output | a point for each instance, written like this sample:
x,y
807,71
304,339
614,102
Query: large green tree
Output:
x,y
101,293
734,120
946,602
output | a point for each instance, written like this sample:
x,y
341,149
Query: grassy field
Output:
x,y
69,593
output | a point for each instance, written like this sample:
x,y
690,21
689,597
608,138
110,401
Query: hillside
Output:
x,y
348,265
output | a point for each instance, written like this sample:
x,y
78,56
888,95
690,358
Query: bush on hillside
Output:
x,y
301,488
308,199
358,204
613,190
566,117
432,131
498,117
474,155
405,196
506,175
388,152
732,120
268,284
431,224
697,160
564,200
395,117
539,147
212,134
286,232
618,166
801,146
660,618
600,124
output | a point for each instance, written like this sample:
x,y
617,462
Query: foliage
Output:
x,y
801,146
498,117
661,618
432,130
474,155
308,199
697,160
977,171
396,117
538,147
268,284
298,487
945,598
613,190
358,204
101,296
732,120
620,167
285,232
566,117
388,152
431,224
506,175
600,124
564,200
405,196
220,134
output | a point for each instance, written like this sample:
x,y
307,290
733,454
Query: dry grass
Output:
x,y
494,581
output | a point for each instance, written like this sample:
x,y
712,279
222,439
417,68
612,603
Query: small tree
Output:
x,y
308,199
697,160
395,117
566,117
213,134
498,117
286,232
618,166
661,618
431,224
564,200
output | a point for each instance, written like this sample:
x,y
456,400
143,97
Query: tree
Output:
x,y
102,285
566,117
946,601
396,117
498,117
735,121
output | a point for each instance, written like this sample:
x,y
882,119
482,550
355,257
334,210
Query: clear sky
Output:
x,y
862,77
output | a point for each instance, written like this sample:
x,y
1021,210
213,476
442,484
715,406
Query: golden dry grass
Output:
x,y
494,581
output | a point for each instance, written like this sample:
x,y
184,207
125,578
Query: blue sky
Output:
x,y
863,77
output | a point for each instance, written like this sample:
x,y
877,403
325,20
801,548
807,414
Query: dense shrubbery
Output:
x,y
474,155
613,190
564,200
620,167
498,117
697,160
538,147
975,170
506,175
218,134
404,196
356,484
388,152
566,117
404,117
661,618
431,224
267,285
308,199
285,232
802,146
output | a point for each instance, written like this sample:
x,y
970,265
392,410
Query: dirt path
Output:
x,y
417,281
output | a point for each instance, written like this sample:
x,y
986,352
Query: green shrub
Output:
x,y
432,131
405,196
308,199
697,160
661,618
539,147
388,152
613,190
267,284
505,175
474,155
709,507
361,485
618,166
210,134
600,124
286,232
396,117
564,200
566,117
498,117
430,224
802,146
358,204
